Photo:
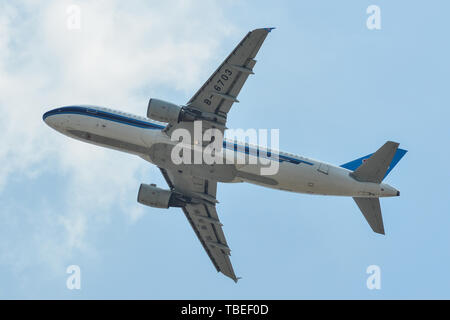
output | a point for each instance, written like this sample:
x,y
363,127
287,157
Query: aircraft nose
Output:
x,y
50,119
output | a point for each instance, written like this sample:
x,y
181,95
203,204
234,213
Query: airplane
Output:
x,y
193,187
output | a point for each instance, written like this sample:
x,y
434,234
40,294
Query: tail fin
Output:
x,y
370,208
356,164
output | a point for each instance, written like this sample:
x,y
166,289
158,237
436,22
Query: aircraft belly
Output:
x,y
160,153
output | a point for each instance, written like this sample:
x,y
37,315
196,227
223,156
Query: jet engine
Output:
x,y
163,111
152,196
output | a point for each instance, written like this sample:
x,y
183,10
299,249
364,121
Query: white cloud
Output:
x,y
122,50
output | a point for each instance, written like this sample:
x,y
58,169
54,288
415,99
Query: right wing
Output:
x,y
202,216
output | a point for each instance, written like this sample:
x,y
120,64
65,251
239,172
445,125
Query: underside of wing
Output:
x,y
219,93
214,99
205,222
202,215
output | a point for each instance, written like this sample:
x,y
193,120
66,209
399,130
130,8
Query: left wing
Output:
x,y
221,90
202,216
215,98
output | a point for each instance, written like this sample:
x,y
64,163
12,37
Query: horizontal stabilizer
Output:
x,y
370,208
374,169
353,165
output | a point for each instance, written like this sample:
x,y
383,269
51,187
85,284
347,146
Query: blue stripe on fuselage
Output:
x,y
96,113
256,152
103,115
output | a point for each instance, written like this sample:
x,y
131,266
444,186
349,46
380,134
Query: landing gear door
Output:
x,y
323,168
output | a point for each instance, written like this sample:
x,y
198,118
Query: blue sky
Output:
x,y
336,91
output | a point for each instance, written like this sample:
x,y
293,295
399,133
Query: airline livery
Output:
x,y
193,185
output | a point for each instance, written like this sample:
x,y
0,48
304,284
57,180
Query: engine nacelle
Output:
x,y
163,111
152,196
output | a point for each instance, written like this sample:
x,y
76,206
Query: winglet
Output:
x,y
237,279
270,29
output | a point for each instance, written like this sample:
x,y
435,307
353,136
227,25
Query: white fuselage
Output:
x,y
137,135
